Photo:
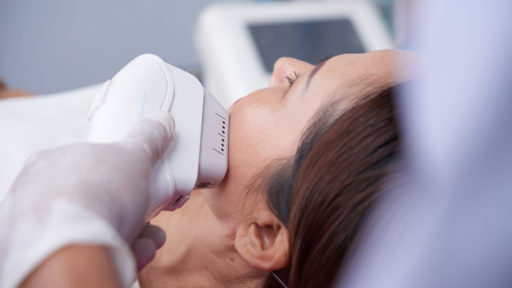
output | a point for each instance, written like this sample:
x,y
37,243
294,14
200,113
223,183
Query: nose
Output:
x,y
287,67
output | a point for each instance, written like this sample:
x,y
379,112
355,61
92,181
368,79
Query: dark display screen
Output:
x,y
308,41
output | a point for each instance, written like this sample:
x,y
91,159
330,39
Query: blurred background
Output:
x,y
56,45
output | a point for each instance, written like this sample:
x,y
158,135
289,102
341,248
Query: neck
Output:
x,y
212,272
198,253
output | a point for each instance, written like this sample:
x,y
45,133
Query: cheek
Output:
x,y
248,132
258,134
260,131
247,154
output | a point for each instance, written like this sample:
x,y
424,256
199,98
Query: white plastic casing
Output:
x,y
232,66
197,156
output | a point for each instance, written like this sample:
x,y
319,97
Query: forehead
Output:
x,y
355,69
353,75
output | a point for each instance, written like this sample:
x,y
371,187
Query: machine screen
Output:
x,y
308,41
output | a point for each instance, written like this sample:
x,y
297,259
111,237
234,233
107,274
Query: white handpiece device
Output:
x,y
197,156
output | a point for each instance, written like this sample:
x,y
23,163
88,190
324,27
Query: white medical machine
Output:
x,y
239,43
197,156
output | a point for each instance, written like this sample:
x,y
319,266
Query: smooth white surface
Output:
x,y
213,162
231,63
40,122
145,85
138,89
187,110
148,84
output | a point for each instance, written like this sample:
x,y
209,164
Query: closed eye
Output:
x,y
292,78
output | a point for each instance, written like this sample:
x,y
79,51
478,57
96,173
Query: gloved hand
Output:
x,y
86,193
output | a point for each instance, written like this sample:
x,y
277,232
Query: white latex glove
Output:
x,y
95,194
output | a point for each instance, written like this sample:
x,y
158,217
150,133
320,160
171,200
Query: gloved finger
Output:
x,y
153,233
154,134
144,251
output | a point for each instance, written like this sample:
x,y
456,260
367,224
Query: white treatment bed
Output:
x,y
33,123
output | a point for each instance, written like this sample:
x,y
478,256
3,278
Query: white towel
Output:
x,y
40,122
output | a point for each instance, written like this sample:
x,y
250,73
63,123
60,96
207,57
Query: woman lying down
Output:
x,y
308,157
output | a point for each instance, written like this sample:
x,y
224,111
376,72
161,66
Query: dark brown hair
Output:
x,y
325,193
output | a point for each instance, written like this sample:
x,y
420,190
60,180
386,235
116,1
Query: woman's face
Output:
x,y
268,124
264,126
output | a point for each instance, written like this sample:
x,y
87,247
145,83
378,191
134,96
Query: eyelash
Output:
x,y
293,78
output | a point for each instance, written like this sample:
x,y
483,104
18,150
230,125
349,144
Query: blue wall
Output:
x,y
55,45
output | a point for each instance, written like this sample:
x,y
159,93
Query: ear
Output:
x,y
262,240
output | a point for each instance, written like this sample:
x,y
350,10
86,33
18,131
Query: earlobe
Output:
x,y
262,241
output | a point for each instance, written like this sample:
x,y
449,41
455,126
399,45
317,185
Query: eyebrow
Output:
x,y
313,72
